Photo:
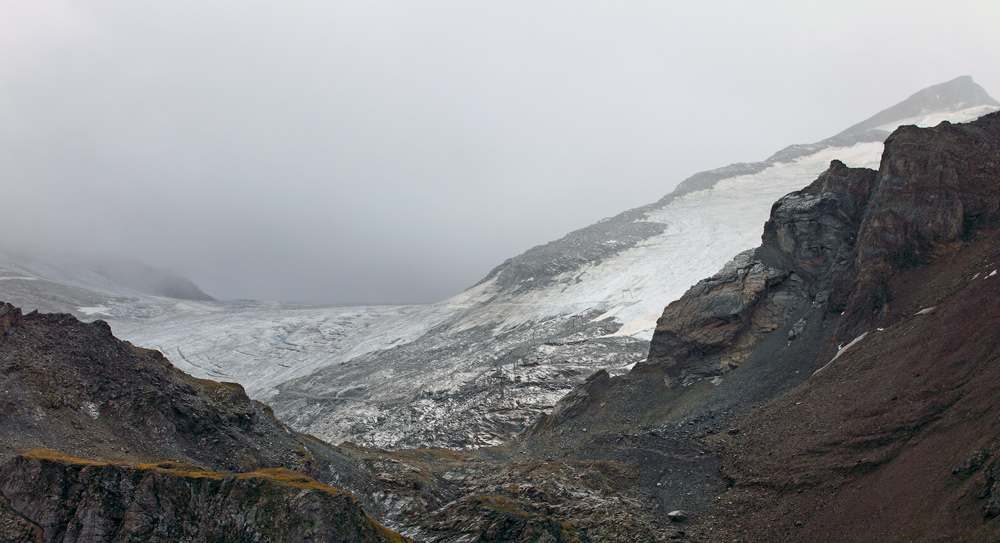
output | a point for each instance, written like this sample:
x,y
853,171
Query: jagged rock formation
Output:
x,y
73,387
805,256
896,439
932,191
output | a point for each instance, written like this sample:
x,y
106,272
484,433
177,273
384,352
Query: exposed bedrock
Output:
x,y
935,187
805,258
60,498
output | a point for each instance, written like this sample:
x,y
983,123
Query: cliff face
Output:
x,y
74,387
897,438
935,187
804,261
71,499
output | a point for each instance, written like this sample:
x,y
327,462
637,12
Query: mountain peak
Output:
x,y
959,93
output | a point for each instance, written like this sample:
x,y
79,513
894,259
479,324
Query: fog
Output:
x,y
396,151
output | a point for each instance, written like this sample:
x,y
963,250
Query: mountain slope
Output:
x,y
887,435
543,321
86,286
908,444
475,369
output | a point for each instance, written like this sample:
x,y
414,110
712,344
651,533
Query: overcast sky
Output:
x,y
396,151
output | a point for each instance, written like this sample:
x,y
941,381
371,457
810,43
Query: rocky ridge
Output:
x,y
62,498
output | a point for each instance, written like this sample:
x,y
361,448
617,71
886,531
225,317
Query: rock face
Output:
x,y
931,192
805,257
69,499
74,387
896,439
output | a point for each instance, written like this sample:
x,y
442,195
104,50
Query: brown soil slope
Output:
x,y
898,439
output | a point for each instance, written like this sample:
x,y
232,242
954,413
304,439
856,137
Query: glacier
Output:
x,y
475,369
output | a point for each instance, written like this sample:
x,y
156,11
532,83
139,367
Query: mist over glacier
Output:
x,y
393,152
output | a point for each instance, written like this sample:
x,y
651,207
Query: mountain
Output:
x,y
475,369
844,372
86,286
837,382
541,322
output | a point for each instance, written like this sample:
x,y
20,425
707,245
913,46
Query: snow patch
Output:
x,y
840,351
607,314
934,119
91,410
639,325
926,310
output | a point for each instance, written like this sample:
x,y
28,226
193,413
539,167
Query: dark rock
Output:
x,y
9,315
935,187
806,249
677,515
79,500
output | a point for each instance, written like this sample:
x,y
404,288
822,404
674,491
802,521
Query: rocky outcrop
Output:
x,y
74,387
74,500
935,187
711,317
805,257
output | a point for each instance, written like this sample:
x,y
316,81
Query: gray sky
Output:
x,y
397,151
